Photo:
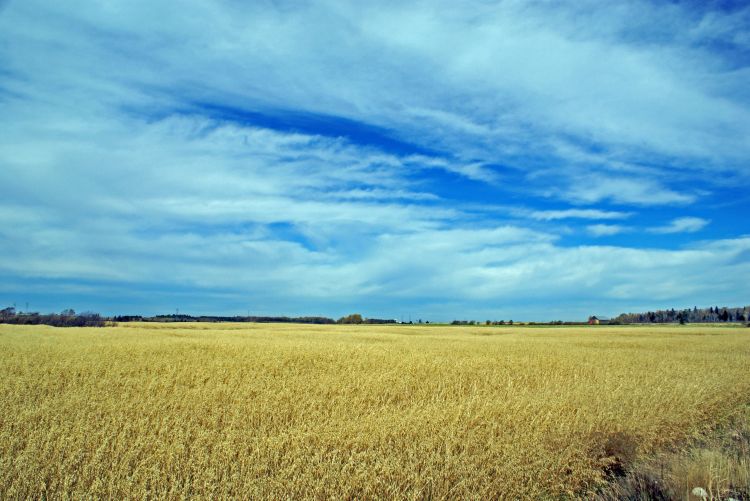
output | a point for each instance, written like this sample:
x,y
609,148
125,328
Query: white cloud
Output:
x,y
682,225
474,171
552,215
631,191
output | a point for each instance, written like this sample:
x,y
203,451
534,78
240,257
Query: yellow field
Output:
x,y
291,411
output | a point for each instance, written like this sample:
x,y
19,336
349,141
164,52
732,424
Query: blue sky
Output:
x,y
439,160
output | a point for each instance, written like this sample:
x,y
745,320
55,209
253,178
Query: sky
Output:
x,y
439,160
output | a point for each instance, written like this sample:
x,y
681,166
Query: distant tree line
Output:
x,y
69,318
66,318
356,318
214,318
380,321
487,322
695,315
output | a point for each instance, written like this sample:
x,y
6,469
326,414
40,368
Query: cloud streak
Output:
x,y
681,225
553,215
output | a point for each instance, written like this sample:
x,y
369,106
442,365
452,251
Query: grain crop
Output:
x,y
275,411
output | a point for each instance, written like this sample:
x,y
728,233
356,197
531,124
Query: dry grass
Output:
x,y
290,411
717,462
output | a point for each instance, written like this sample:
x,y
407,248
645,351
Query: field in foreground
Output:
x,y
279,411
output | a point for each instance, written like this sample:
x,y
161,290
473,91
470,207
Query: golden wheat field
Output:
x,y
293,411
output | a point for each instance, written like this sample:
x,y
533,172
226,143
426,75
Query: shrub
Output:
x,y
614,452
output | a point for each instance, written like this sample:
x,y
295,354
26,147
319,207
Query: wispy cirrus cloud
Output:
x,y
681,225
553,215
624,191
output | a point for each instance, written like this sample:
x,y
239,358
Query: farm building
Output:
x,y
594,320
